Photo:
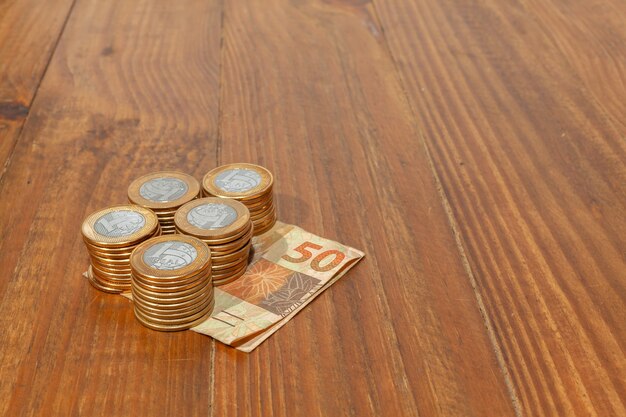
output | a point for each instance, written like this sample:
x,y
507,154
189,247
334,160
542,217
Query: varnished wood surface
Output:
x,y
475,151
29,30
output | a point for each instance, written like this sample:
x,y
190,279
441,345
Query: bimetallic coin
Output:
x,y
119,226
119,223
170,257
163,191
212,218
164,281
238,181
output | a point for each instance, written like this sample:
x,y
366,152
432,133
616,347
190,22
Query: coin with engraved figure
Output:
x,y
119,223
163,189
238,180
170,255
212,216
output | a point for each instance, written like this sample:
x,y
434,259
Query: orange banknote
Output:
x,y
289,268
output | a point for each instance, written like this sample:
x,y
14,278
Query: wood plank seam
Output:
x,y
456,233
220,108
7,163
218,147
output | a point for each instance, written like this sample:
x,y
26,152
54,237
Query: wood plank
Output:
x,y
309,91
521,105
132,88
29,30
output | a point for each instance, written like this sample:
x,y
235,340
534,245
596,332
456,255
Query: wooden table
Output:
x,y
476,151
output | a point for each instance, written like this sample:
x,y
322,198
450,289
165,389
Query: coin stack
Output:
x,y
248,183
164,192
171,280
111,235
225,226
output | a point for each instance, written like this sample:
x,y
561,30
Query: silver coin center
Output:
x,y
238,180
163,189
212,216
170,255
119,223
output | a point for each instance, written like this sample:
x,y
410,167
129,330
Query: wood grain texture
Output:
x,y
475,151
132,88
308,90
521,106
29,30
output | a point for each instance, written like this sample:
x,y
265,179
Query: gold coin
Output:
x,y
233,246
112,251
94,283
116,262
260,207
166,328
110,270
261,216
240,181
245,234
109,276
229,279
209,304
226,273
163,191
243,252
175,321
229,265
111,284
160,298
220,275
165,282
177,290
104,255
175,312
265,229
170,306
170,257
262,223
119,226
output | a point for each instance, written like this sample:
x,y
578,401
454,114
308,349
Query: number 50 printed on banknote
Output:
x,y
289,269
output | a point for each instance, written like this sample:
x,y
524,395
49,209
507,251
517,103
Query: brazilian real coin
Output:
x,y
251,184
239,181
213,219
110,235
164,192
171,282
224,225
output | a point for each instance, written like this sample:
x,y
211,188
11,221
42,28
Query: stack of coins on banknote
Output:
x,y
248,183
164,192
225,226
171,281
111,235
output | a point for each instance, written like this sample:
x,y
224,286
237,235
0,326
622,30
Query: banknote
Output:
x,y
288,269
